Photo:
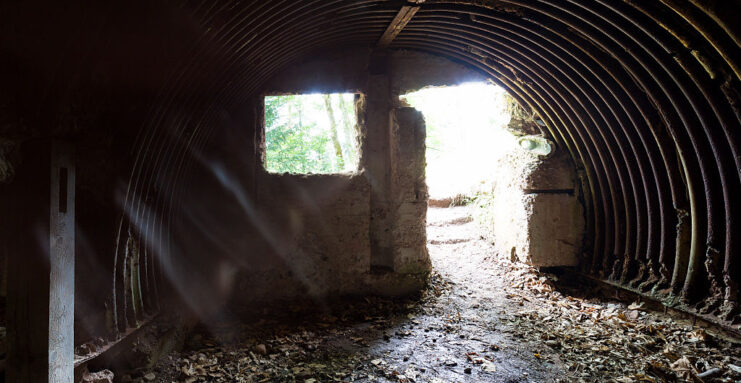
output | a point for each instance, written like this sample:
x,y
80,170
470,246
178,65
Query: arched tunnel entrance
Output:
x,y
136,204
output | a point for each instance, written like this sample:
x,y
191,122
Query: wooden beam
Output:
x,y
400,21
41,265
62,264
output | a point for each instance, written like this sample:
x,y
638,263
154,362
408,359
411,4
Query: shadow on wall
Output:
x,y
233,233
248,238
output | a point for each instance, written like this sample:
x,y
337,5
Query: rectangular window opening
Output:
x,y
311,133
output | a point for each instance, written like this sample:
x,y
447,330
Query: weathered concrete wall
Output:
x,y
349,70
538,218
330,235
314,236
340,71
409,192
286,236
554,231
412,70
377,165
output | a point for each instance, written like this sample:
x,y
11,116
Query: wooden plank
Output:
x,y
397,25
62,264
40,312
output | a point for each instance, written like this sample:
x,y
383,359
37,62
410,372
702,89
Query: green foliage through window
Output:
x,y
314,133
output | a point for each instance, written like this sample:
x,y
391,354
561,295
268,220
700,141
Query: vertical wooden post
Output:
x,y
62,264
41,264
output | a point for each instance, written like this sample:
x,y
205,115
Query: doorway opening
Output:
x,y
487,153
466,137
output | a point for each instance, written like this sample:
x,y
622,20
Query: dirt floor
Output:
x,y
483,319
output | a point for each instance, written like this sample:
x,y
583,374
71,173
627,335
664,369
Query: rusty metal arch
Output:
x,y
644,96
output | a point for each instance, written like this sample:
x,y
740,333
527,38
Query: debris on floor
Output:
x,y
482,319
595,338
103,376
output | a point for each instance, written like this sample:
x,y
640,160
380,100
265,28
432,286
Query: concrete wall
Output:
x,y
285,236
316,233
409,191
350,70
538,218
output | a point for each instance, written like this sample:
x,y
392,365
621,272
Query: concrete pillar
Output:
x,y
377,165
409,192
40,225
394,162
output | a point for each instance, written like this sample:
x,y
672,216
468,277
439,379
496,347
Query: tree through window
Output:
x,y
312,133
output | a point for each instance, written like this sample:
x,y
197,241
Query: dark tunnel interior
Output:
x,y
149,117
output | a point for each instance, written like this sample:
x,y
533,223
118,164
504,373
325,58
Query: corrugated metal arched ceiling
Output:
x,y
643,95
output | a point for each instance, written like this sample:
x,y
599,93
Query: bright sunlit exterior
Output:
x,y
465,135
313,133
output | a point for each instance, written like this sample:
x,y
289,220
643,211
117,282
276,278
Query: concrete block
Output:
x,y
554,230
538,217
